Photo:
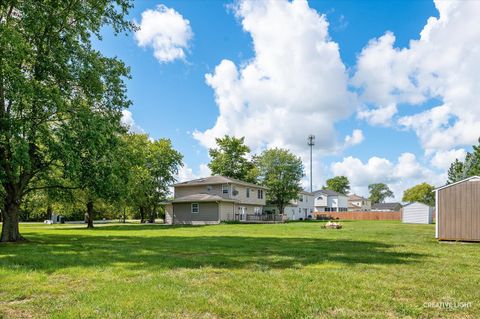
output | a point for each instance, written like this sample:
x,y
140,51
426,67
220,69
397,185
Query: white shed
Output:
x,y
417,213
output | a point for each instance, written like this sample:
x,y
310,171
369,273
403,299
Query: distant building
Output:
x,y
358,203
298,209
386,207
327,200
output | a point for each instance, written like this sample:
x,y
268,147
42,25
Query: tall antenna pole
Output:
x,y
311,142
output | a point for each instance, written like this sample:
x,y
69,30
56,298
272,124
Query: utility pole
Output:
x,y
311,142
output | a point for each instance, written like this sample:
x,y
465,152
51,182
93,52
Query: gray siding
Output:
x,y
208,213
417,213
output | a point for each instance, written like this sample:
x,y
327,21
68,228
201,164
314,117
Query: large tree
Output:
x,y
422,193
93,153
281,172
230,159
49,72
379,192
339,184
470,167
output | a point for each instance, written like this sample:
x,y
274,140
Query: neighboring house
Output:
x,y
298,209
329,201
213,199
386,207
417,213
457,209
358,204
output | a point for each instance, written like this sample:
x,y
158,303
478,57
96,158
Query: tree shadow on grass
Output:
x,y
51,252
129,226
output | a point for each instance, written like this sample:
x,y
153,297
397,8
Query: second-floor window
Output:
x,y
225,189
248,192
260,194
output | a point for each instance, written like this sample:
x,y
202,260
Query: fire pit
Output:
x,y
333,225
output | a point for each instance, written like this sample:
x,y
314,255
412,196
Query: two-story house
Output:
x,y
300,208
213,199
358,203
330,201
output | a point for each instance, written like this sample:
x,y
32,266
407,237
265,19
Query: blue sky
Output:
x,y
172,99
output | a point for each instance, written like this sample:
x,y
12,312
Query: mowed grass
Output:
x,y
369,269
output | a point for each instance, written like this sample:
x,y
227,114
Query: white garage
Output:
x,y
417,213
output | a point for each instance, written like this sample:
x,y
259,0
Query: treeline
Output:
x,y
128,178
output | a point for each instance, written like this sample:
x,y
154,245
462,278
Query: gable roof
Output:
x,y
416,203
386,206
306,193
474,178
216,179
328,192
201,198
356,197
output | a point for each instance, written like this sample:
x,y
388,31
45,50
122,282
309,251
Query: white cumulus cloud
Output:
x,y
403,174
354,139
128,121
442,65
295,85
166,31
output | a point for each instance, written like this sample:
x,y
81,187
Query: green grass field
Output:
x,y
295,270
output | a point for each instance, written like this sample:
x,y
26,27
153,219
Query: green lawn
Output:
x,y
295,270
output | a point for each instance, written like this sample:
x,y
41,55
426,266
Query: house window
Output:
x,y
209,188
257,210
300,198
195,208
260,194
248,192
225,189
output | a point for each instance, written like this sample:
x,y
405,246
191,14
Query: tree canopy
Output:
x,y
339,184
230,159
155,164
379,192
281,172
50,75
422,193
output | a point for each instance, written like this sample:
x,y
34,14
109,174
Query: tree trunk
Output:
x,y
142,215
10,210
49,212
90,214
124,215
151,216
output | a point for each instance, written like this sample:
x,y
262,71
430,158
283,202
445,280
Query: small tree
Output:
x,y
470,167
281,172
339,184
153,169
379,192
422,193
230,159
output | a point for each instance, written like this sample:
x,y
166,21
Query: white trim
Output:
x,y
436,213
198,208
227,188
463,180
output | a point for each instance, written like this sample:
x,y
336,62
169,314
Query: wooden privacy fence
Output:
x,y
361,215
